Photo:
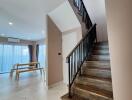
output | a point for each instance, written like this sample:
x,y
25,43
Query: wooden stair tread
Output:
x,y
94,90
74,97
108,61
101,48
100,52
100,56
97,78
65,97
102,43
98,68
96,63
92,59
104,55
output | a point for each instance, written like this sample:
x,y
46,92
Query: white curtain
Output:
x,y
12,54
42,55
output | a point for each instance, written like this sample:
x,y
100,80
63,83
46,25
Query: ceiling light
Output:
x,y
10,23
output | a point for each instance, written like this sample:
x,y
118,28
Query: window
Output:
x,y
12,54
42,55
7,59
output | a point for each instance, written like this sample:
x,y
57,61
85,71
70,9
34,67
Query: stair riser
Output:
x,y
100,57
100,52
102,44
97,73
98,64
98,83
88,95
101,48
74,97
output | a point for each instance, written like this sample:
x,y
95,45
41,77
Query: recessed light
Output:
x,y
10,23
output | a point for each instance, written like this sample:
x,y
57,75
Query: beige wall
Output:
x,y
55,74
97,13
42,41
119,18
69,41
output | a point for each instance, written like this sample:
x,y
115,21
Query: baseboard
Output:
x,y
55,84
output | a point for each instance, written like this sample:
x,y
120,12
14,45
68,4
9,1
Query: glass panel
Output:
x,y
1,57
25,54
17,55
42,55
12,54
7,58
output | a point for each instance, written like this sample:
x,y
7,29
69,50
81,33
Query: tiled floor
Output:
x,y
30,87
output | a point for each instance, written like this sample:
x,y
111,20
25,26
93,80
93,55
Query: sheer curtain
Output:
x,y
12,54
42,55
1,58
25,54
7,58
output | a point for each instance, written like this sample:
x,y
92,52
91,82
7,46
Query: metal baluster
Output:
x,y
77,57
69,64
75,62
71,67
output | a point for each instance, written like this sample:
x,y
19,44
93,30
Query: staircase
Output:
x,y
94,83
82,15
88,63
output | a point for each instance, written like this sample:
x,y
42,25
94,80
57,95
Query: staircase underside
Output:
x,y
95,82
80,16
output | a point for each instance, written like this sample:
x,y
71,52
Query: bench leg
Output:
x,y
11,73
17,76
41,72
44,74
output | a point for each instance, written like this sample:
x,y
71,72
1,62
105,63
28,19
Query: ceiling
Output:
x,y
64,17
26,17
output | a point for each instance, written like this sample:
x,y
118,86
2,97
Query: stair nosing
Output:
x,y
93,91
107,61
98,68
98,60
96,78
100,55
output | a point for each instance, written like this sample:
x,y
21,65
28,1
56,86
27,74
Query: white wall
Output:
x,y
64,17
119,18
69,41
96,10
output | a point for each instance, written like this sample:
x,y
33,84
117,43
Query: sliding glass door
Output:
x,y
12,54
42,55
7,58
1,58
24,54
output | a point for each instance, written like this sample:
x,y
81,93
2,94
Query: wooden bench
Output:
x,y
20,68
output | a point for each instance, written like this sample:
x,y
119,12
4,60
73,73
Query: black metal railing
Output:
x,y
83,12
79,54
